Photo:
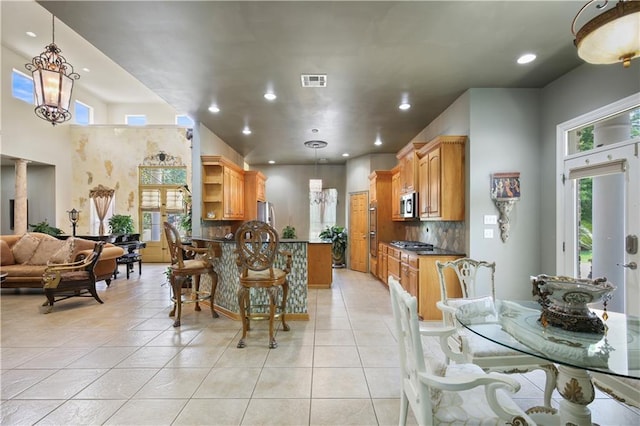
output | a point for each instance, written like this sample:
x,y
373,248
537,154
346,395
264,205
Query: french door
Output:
x,y
602,219
158,205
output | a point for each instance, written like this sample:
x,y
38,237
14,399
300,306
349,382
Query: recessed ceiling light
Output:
x,y
404,106
314,130
31,33
246,131
85,69
526,58
378,142
214,108
270,96
346,154
271,162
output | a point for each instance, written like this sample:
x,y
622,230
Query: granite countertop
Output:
x,y
436,252
282,240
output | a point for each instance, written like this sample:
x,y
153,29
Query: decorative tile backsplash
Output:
x,y
445,235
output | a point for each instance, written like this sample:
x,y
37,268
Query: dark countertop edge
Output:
x,y
287,240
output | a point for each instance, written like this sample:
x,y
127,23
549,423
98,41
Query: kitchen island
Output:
x,y
226,298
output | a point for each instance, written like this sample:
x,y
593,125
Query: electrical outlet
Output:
x,y
488,233
490,219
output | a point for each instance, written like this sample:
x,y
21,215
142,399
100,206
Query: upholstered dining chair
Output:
x,y
77,279
257,248
475,349
441,393
188,263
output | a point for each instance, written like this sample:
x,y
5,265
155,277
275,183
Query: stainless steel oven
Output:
x,y
373,229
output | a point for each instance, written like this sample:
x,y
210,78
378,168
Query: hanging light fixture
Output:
x,y
613,36
52,82
315,184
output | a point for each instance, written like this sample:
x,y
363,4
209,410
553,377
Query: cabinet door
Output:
x,y
423,188
373,196
395,196
228,193
434,183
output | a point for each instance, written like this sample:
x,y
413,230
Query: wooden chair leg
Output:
x,y
285,294
214,285
243,292
94,293
196,288
273,295
176,285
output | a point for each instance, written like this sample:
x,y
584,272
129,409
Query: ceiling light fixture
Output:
x,y
526,58
30,33
246,131
315,185
404,106
346,154
52,82
270,96
214,108
272,162
612,36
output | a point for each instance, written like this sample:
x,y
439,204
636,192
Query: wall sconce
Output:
x,y
74,215
505,191
52,83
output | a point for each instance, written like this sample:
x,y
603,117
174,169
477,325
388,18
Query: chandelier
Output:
x,y
316,195
52,82
613,36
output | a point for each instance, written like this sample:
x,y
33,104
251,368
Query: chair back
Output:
x,y
257,246
467,270
173,240
94,257
412,357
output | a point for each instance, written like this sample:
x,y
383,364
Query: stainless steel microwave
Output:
x,y
409,205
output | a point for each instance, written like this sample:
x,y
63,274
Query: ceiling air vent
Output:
x,y
314,80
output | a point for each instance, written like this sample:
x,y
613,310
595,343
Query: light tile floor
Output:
x,y
123,363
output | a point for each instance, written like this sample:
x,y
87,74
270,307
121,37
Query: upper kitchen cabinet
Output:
x,y
222,189
408,162
254,191
395,193
441,178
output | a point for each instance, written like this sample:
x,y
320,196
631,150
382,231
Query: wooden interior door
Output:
x,y
158,204
358,243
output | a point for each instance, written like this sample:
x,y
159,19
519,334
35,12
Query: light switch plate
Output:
x,y
488,233
490,219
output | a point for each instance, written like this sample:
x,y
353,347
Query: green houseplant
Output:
x,y
185,223
289,232
45,228
121,224
337,235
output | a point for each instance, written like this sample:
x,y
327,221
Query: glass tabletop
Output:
x,y
616,352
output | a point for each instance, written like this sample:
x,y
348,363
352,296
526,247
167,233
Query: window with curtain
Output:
x,y
322,211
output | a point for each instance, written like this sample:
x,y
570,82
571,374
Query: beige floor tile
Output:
x,y
153,412
117,384
374,337
133,338
173,383
336,356
26,412
207,412
277,412
388,412
251,356
11,357
342,412
383,382
335,338
174,337
290,355
339,383
83,412
104,357
56,358
149,357
196,357
228,382
12,382
284,383
379,356
63,384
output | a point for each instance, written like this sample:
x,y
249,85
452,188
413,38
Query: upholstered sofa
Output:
x,y
24,257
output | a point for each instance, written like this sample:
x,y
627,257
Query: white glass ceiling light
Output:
x,y
214,108
404,106
613,36
315,184
52,82
270,96
526,58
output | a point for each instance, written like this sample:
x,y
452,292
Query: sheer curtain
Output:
x,y
322,211
101,196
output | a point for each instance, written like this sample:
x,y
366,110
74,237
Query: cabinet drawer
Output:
x,y
404,257
413,261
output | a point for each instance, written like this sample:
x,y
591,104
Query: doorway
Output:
x,y
601,213
359,231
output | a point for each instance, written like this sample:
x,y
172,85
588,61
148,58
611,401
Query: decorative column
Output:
x,y
20,203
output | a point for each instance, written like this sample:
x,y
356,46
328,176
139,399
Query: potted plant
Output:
x,y
337,235
185,223
45,228
289,232
121,224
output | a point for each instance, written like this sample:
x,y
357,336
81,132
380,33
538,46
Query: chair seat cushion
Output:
x,y
469,406
193,264
480,347
279,275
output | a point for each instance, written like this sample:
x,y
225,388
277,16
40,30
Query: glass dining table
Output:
x,y
616,352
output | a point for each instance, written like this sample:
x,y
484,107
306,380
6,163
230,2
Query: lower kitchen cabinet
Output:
x,y
320,269
429,286
393,263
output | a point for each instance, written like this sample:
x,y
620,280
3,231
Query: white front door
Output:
x,y
602,219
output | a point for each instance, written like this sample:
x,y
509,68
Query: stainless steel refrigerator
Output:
x,y
266,213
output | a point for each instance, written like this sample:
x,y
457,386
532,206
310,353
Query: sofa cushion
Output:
x,y
64,253
45,252
25,247
6,254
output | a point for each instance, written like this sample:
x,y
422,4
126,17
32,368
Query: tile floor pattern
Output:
x,y
122,363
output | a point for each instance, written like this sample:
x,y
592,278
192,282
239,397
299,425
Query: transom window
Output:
x,y
22,86
135,120
184,120
84,113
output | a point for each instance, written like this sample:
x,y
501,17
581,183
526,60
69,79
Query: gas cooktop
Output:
x,y
412,245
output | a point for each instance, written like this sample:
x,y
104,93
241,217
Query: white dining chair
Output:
x,y
468,347
446,394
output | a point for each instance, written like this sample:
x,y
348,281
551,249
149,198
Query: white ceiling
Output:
x,y
191,54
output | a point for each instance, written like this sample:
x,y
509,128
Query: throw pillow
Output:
x,y
25,247
6,254
64,254
45,251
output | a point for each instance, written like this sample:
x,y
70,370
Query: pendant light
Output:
x,y
52,82
315,184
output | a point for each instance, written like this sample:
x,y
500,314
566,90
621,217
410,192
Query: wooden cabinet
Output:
x,y
429,286
393,263
441,178
395,194
254,191
408,162
222,189
382,262
319,264
409,264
